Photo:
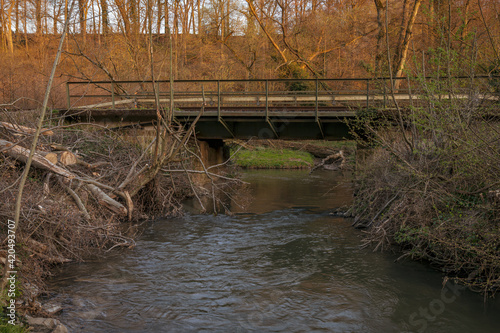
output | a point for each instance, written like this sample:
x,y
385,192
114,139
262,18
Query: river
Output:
x,y
284,263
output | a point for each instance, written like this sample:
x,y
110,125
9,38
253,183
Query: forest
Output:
x,y
227,39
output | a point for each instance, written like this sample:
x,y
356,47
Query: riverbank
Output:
x,y
86,193
279,154
436,199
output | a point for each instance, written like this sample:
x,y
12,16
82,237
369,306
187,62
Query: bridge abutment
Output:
x,y
211,152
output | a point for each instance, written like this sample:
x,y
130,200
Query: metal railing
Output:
x,y
363,92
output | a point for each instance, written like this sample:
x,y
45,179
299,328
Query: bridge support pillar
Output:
x,y
212,152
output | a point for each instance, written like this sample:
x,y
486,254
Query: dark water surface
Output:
x,y
283,264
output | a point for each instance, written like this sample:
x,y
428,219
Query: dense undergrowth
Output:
x,y
431,183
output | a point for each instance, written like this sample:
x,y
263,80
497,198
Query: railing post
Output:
x,y
113,94
367,93
218,100
68,97
316,115
385,94
267,100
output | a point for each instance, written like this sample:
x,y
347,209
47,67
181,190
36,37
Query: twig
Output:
x,y
75,197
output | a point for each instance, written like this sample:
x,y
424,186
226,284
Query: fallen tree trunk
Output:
x,y
18,129
63,157
51,157
39,161
67,158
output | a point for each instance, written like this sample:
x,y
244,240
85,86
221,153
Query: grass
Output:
x,y
268,158
343,144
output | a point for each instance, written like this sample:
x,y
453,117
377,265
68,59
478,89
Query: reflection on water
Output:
x,y
283,264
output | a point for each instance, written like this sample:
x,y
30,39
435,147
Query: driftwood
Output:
x,y
18,129
329,162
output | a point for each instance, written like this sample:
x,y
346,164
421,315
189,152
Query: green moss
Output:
x,y
266,158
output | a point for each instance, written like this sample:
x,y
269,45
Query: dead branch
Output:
x,y
76,198
107,201
327,161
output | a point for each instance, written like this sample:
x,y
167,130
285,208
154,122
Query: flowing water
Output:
x,y
282,264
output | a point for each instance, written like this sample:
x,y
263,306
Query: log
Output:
x,y
18,129
39,161
107,201
67,158
130,205
52,157
59,147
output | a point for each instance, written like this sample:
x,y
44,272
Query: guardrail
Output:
x,y
259,92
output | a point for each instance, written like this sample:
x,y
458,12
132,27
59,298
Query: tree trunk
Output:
x,y
254,13
406,43
381,9
38,17
39,161
8,28
105,17
18,129
402,31
82,9
124,14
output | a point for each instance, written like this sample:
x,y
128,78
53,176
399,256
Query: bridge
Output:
x,y
266,108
